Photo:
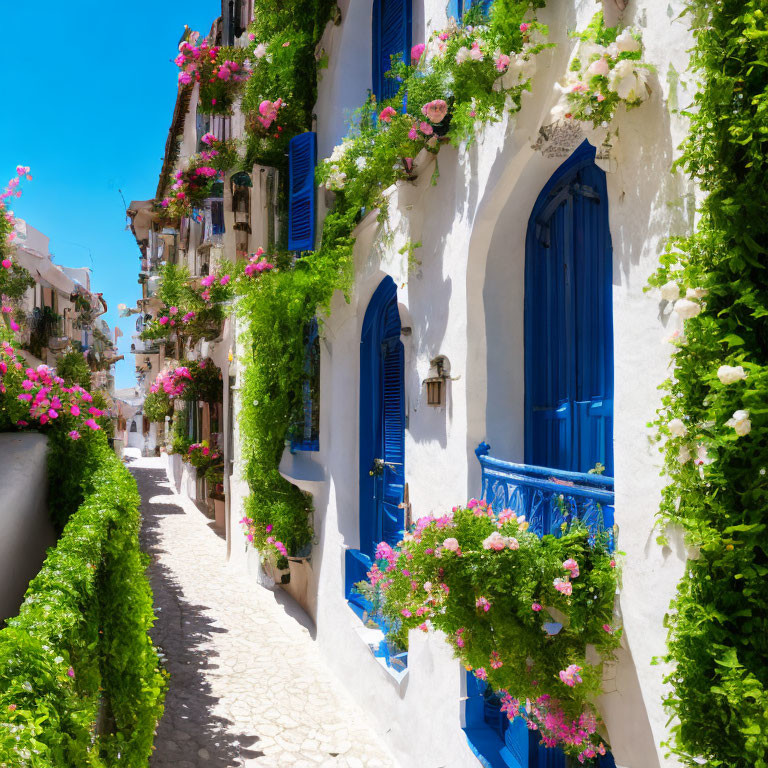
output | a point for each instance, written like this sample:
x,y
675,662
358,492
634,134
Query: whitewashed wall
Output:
x,y
465,301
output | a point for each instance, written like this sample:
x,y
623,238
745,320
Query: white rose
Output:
x,y
626,43
695,293
462,54
677,428
670,291
730,374
687,308
683,455
361,162
740,423
336,179
627,81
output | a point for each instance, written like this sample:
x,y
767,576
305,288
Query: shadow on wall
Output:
x,y
189,733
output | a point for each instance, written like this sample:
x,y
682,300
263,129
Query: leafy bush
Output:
x,y
157,405
81,639
714,413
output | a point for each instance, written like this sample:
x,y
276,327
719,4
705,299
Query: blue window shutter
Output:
x,y
391,36
302,157
517,740
393,429
453,10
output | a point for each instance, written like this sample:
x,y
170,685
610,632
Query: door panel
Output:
x,y
568,317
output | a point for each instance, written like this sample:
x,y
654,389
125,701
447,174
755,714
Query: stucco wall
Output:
x,y
26,525
465,301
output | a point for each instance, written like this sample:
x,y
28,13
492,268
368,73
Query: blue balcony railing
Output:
x,y
548,497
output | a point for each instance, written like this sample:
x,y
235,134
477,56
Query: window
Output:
x,y
391,37
305,434
202,126
302,158
457,8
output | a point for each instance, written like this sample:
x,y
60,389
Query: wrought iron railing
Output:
x,y
549,498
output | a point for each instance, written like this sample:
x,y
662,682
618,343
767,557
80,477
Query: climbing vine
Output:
x,y
714,415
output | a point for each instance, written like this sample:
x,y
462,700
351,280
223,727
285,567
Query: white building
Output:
x,y
528,305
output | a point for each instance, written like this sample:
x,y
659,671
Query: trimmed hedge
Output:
x,y
79,651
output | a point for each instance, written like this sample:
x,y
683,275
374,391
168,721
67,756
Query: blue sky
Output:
x,y
89,90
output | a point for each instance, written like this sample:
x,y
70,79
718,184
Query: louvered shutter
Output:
x,y
302,157
515,751
391,36
393,428
454,8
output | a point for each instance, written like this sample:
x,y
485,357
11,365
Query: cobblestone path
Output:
x,y
248,686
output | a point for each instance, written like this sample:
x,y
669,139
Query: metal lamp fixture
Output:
x,y
437,383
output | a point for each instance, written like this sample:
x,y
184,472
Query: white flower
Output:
x,y
261,51
670,291
687,309
427,586
462,54
598,67
740,423
361,162
626,43
627,81
730,374
683,455
677,428
695,293
452,544
336,179
520,69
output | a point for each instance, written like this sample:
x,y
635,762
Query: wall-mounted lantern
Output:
x,y
437,383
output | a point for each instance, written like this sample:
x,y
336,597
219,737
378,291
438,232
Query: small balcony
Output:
x,y
549,498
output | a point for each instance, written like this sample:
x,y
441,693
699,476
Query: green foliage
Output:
x,y
206,381
217,96
157,405
287,32
15,281
81,637
73,368
718,491
445,571
202,457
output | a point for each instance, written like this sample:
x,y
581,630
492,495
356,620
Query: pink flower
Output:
x,y
14,325
426,129
502,62
570,675
251,36
563,586
70,672
475,53
608,628
208,280
435,110
536,607
524,27
481,674
571,565
74,434
74,410
224,280
174,310
163,320
417,51
7,263
451,544
387,114
406,613
482,602
413,133
92,424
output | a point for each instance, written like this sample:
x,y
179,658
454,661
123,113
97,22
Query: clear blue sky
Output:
x,y
88,97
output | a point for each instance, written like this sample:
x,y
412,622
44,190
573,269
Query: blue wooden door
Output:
x,y
568,321
391,37
382,421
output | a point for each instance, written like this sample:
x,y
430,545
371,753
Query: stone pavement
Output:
x,y
248,686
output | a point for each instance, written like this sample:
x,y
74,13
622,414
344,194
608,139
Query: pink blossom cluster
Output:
x,y
546,715
570,675
435,110
46,396
278,545
204,450
496,542
172,382
268,111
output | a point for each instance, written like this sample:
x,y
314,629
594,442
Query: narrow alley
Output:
x,y
247,687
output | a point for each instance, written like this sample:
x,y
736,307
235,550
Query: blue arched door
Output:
x,y
382,421
569,322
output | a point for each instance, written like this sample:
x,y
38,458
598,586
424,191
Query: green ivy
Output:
x,y
81,639
715,419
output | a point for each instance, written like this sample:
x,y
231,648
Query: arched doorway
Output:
x,y
382,421
569,321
